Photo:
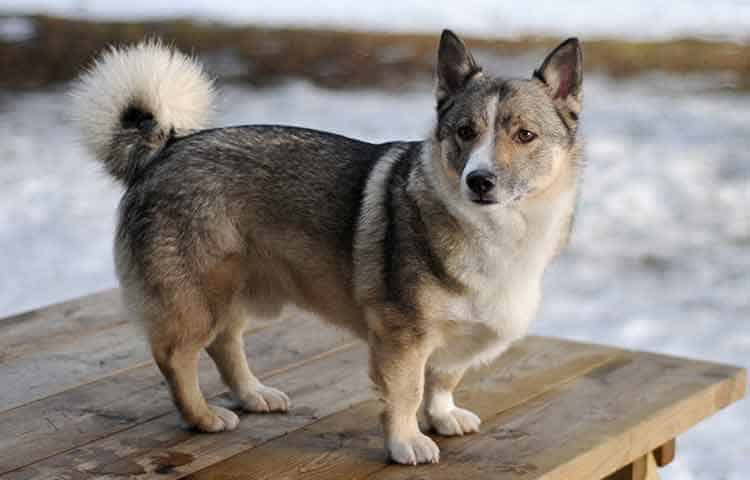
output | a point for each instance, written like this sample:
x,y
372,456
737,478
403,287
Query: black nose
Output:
x,y
481,182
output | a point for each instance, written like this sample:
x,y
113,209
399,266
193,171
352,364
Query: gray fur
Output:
x,y
383,239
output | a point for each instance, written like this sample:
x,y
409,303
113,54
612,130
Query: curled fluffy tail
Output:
x,y
133,99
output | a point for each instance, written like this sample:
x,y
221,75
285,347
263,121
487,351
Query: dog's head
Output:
x,y
501,141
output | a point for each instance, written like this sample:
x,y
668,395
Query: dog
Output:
x,y
431,251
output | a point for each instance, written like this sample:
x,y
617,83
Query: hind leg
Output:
x,y
228,352
176,344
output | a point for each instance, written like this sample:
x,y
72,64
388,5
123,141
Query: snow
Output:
x,y
728,19
16,29
660,256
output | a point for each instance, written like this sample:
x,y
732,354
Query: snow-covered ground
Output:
x,y
660,257
729,19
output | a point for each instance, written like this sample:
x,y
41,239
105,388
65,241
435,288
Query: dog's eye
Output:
x,y
466,133
525,136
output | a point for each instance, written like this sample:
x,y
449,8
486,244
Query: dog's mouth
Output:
x,y
491,199
484,200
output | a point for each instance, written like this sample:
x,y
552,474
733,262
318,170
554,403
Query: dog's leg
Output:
x,y
227,351
177,334
442,414
397,366
179,365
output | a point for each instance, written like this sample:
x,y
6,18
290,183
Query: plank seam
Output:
x,y
271,373
614,355
114,373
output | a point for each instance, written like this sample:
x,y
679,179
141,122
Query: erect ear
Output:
x,y
562,74
455,66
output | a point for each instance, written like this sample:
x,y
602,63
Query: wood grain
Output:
x,y
58,323
80,399
568,418
350,445
46,351
131,397
594,425
160,448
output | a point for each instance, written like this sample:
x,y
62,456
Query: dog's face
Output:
x,y
502,141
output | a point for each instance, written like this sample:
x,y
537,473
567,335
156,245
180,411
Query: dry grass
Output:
x,y
62,47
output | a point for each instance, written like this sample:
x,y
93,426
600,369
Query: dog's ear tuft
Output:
x,y
562,74
455,67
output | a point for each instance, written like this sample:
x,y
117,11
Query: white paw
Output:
x,y
457,421
413,450
265,399
220,420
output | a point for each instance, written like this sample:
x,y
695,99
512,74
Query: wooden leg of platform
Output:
x,y
642,469
650,468
645,468
665,454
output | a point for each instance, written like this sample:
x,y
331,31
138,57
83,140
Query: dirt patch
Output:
x,y
59,48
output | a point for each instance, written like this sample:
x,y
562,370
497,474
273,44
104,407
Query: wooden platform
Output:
x,y
80,398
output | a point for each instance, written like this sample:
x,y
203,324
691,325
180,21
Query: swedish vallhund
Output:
x,y
433,252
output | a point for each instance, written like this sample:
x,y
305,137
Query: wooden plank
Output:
x,y
65,366
349,445
27,339
679,395
28,332
578,426
147,444
48,351
159,448
118,452
119,402
594,425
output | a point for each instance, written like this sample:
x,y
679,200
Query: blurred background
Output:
x,y
660,256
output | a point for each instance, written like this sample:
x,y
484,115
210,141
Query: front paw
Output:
x,y
457,421
218,419
263,399
413,450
